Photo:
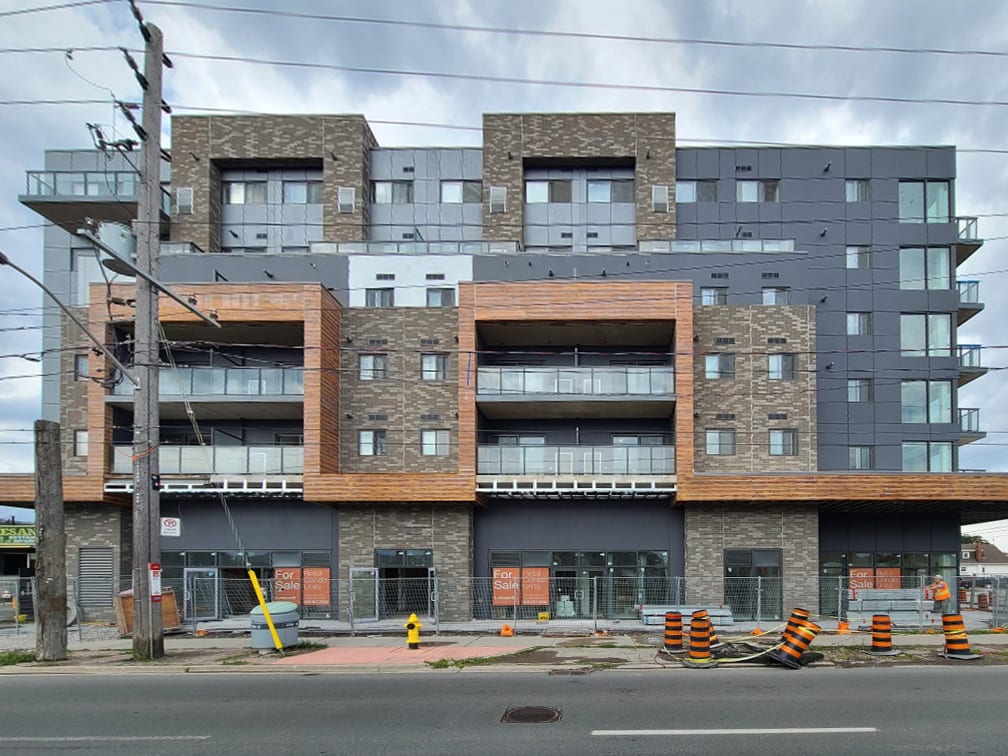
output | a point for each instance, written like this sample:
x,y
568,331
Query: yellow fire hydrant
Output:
x,y
413,626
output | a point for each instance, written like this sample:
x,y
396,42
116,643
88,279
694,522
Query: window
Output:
x,y
81,367
926,401
926,335
859,323
858,258
183,200
714,295
777,295
781,367
244,192
373,367
553,190
392,192
80,443
372,443
346,199
457,192
924,201
783,443
706,191
379,297
615,190
859,458
685,191
441,297
757,191
302,192
925,268
857,190
720,442
927,456
434,443
434,367
498,199
641,439
659,198
859,390
717,366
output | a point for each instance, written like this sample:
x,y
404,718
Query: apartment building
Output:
x,y
577,352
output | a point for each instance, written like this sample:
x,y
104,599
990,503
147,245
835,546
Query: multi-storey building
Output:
x,y
580,351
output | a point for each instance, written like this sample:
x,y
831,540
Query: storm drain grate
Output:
x,y
530,715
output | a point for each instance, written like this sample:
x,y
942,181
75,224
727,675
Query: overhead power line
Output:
x,y
43,8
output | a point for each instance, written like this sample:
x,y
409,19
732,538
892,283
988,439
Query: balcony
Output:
x,y
631,391
968,240
219,392
969,300
67,198
969,425
969,363
217,460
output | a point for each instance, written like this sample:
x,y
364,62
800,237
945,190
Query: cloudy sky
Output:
x,y
664,51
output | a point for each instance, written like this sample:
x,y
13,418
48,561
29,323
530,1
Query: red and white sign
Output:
x,y
155,582
171,527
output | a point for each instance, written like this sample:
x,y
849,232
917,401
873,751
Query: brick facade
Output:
x,y
94,525
73,391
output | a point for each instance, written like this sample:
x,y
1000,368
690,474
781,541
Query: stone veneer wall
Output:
x,y
445,530
92,525
794,529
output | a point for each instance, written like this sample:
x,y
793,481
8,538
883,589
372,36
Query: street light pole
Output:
x,y
148,629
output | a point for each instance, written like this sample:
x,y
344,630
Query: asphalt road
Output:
x,y
719,711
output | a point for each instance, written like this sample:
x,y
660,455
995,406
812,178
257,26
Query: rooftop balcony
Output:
x,y
969,300
969,425
630,391
969,363
69,198
968,240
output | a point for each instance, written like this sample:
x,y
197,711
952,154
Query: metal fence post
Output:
x,y
759,599
841,614
350,605
435,600
594,604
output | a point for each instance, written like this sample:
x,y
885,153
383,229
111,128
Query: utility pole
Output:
x,y
50,551
148,629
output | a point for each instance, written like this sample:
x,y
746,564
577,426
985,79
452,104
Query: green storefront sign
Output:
x,y
17,536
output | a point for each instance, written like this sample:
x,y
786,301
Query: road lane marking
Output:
x,y
740,731
100,738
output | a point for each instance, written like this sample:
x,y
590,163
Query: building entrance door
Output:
x,y
753,585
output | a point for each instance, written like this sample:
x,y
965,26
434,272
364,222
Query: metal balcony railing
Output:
x,y
967,227
969,419
591,381
969,292
216,381
969,356
494,459
217,460
122,185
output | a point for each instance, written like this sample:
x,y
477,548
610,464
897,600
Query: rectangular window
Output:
x,y
392,192
707,191
80,443
859,457
857,190
434,367
859,323
859,390
685,191
713,295
302,192
926,401
757,191
924,202
81,368
434,443
244,192
926,335
441,297
611,190
720,441
373,367
777,295
498,199
552,190
718,366
782,367
858,258
457,192
372,443
925,268
346,199
927,456
379,297
783,443
659,198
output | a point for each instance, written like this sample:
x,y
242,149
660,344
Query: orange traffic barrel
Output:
x,y
790,652
798,618
699,644
956,639
703,613
983,601
963,596
673,631
881,636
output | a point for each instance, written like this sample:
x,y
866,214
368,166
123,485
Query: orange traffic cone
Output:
x,y
843,627
507,631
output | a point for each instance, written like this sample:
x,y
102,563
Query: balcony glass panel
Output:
x,y
969,419
600,381
969,355
221,460
969,292
208,381
575,460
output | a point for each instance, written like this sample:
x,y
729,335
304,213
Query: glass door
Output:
x,y
201,593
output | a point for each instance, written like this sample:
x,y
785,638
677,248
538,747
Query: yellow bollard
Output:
x,y
413,626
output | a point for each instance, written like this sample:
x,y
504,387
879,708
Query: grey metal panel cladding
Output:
x,y
575,526
472,164
275,526
472,215
857,162
907,163
450,164
769,164
381,165
941,163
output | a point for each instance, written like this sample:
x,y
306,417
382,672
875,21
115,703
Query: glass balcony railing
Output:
x,y
217,460
718,245
493,459
969,356
967,228
969,419
591,381
215,381
122,185
969,292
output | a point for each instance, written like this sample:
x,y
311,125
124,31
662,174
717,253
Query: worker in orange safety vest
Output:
x,y
942,595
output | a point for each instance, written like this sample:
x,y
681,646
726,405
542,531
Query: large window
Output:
x,y
926,335
859,323
434,443
696,191
458,192
925,268
244,192
926,401
373,367
611,190
553,190
302,192
718,366
924,202
783,443
379,297
927,456
720,441
392,192
757,191
434,367
714,295
782,367
777,295
372,443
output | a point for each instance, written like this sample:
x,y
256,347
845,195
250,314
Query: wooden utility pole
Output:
x,y
148,630
50,551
